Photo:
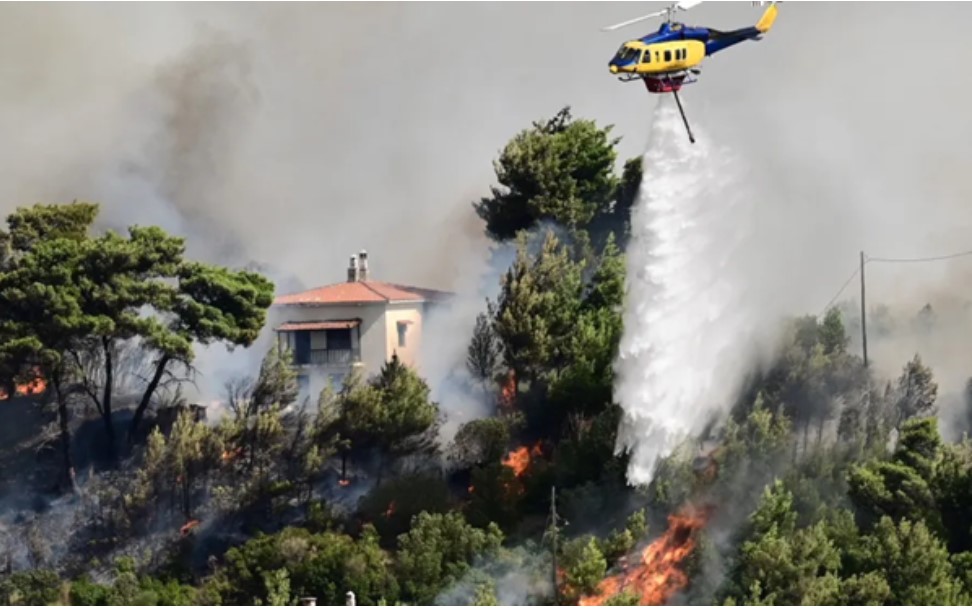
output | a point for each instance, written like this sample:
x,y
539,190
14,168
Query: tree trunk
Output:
x,y
381,468
63,417
147,396
186,494
106,398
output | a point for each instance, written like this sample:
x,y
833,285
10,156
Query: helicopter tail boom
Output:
x,y
723,40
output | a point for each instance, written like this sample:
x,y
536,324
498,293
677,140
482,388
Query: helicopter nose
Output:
x,y
614,68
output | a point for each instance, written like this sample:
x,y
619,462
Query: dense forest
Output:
x,y
825,485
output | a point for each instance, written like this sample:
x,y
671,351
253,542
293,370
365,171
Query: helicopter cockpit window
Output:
x,y
627,54
646,58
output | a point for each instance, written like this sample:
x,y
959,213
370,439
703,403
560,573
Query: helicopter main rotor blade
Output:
x,y
683,5
635,20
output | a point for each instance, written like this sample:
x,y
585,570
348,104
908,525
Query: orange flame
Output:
x,y
519,459
229,455
33,387
344,482
508,392
659,575
187,527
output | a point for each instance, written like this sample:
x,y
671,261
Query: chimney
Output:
x,y
353,269
363,265
349,599
308,601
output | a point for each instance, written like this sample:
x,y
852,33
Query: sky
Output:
x,y
293,135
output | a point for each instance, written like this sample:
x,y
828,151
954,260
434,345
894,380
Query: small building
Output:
x,y
359,323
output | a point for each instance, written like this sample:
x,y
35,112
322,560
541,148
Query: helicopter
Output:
x,y
669,58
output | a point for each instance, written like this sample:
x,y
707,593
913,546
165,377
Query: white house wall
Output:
x,y
411,312
373,329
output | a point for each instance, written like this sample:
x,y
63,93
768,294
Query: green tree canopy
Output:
x,y
480,442
67,295
561,170
538,306
438,549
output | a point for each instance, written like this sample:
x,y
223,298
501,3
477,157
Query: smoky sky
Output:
x,y
292,135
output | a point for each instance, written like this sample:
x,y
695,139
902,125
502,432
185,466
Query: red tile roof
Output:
x,y
319,325
367,291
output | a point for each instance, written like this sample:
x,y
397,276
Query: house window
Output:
x,y
402,328
339,339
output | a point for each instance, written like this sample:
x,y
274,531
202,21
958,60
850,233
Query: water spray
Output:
x,y
686,320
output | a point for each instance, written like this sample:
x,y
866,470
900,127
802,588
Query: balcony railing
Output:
x,y
332,357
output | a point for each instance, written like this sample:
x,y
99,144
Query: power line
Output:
x,y
919,259
860,270
868,259
857,270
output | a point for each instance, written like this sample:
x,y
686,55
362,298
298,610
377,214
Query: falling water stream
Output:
x,y
685,313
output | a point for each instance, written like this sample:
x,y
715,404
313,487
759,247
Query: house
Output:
x,y
359,323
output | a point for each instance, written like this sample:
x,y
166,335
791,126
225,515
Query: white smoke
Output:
x,y
687,323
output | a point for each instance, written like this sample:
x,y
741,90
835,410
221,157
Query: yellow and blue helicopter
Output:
x,y
669,58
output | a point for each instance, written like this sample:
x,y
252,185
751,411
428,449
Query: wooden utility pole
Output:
x,y
863,312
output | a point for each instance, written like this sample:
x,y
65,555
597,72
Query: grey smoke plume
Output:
x,y
517,576
446,336
295,134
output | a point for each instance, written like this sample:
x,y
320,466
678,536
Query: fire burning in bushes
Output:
x,y
519,459
660,573
188,527
507,398
34,387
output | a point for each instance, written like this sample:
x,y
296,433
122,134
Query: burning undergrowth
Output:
x,y
658,572
519,459
27,389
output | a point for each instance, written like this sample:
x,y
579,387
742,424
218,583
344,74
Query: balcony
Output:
x,y
331,358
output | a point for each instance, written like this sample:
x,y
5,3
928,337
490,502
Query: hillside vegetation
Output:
x,y
825,485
